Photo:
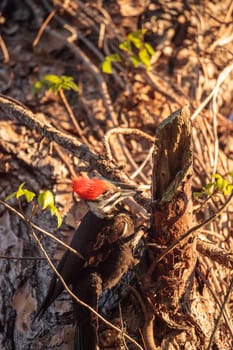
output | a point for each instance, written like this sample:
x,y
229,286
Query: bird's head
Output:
x,y
90,189
101,195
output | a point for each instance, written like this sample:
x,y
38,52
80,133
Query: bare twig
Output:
x,y
65,159
43,27
147,333
222,76
214,291
4,50
226,298
146,160
123,131
127,131
16,110
71,115
122,327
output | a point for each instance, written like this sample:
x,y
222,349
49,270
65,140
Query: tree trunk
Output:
x,y
180,312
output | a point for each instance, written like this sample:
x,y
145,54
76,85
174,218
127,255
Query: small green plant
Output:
x,y
138,52
56,83
44,200
219,185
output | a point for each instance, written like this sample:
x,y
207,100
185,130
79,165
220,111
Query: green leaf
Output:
x,y
29,195
106,65
209,188
136,37
115,57
46,199
55,83
54,212
67,83
51,79
52,82
220,183
136,62
149,49
10,196
216,176
125,46
21,191
144,57
228,189
137,42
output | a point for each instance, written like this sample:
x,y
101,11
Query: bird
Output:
x,y
105,240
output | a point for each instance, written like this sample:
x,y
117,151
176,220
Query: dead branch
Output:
x,y
16,110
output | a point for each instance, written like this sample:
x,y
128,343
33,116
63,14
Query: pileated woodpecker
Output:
x,y
106,239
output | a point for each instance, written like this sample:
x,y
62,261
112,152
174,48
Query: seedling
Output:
x,y
219,185
55,83
137,51
44,200
58,85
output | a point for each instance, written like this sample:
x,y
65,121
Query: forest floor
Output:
x,y
192,64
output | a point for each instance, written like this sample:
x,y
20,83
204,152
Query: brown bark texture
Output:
x,y
182,317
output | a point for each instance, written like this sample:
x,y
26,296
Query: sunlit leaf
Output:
x,y
125,46
29,195
136,62
220,183
46,199
136,37
10,196
67,83
149,49
144,57
216,176
106,65
54,211
21,191
228,189
55,83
